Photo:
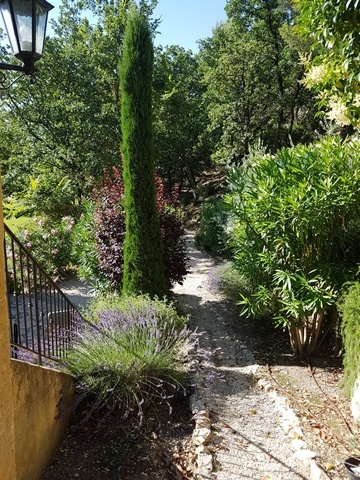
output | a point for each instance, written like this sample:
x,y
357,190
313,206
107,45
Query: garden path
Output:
x,y
248,440
78,292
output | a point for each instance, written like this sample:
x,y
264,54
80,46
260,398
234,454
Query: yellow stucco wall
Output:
x,y
42,404
7,435
34,402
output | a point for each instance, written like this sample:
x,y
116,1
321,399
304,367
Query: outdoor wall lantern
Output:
x,y
25,23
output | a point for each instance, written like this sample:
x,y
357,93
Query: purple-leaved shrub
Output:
x,y
109,230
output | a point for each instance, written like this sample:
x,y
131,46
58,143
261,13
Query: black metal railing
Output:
x,y
42,318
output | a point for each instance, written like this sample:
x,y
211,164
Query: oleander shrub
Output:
x,y
131,354
49,242
349,306
295,234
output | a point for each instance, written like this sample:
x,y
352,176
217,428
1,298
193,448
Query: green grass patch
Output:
x,y
18,224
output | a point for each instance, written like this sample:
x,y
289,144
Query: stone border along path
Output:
x,y
244,429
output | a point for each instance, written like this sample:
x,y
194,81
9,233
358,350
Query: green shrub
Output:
x,y
83,249
14,208
49,243
132,356
211,235
52,194
349,306
294,233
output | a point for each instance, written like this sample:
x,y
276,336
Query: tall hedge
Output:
x,y
349,306
143,259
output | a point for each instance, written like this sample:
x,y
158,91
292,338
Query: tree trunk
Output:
x,y
304,334
190,178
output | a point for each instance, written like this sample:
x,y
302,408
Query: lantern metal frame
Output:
x,y
28,58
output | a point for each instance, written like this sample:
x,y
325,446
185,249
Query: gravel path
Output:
x,y
248,438
78,292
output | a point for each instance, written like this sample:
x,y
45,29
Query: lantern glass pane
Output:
x,y
41,17
9,27
23,19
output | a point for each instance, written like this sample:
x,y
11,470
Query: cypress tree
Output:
x,y
143,261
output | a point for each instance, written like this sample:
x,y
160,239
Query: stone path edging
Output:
x,y
290,425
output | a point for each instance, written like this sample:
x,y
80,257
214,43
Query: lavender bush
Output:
x,y
29,356
132,354
223,278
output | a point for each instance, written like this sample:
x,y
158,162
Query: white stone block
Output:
x,y
355,401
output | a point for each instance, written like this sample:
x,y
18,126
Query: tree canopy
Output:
x,y
179,116
68,122
243,86
252,73
333,29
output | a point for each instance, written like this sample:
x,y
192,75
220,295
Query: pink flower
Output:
x,y
54,251
53,231
29,244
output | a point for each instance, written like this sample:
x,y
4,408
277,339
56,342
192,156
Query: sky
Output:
x,y
183,21
186,21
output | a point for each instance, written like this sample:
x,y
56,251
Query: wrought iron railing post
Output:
x,y
37,316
